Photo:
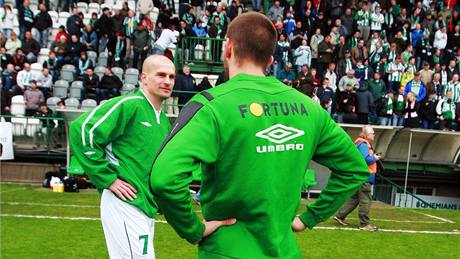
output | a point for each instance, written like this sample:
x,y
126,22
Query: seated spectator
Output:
x,y
61,32
411,118
33,97
24,78
89,38
45,82
446,110
18,60
5,58
348,79
83,63
13,43
73,51
109,86
346,105
31,47
93,19
52,64
417,87
90,83
286,75
60,47
9,86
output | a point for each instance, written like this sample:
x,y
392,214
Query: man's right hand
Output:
x,y
123,190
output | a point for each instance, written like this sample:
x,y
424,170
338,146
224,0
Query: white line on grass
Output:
x,y
434,217
164,222
49,205
408,221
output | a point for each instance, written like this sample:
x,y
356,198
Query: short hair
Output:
x,y
365,131
254,26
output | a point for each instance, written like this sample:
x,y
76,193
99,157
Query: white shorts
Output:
x,y
128,231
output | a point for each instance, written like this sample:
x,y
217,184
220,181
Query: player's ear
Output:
x,y
270,62
228,49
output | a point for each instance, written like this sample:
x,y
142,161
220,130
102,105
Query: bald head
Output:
x,y
153,62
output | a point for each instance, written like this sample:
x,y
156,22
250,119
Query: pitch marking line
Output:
x,y
164,222
408,221
48,205
434,217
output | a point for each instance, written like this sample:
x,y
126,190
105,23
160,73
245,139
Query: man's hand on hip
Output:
x,y
298,225
123,190
213,225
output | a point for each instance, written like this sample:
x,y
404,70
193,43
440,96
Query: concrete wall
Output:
x,y
24,172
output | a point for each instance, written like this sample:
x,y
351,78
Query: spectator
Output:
x,y
331,76
75,23
145,7
52,64
188,16
416,87
446,110
186,83
24,78
47,124
426,74
325,52
217,30
109,86
377,20
61,32
90,84
13,43
73,50
26,18
346,105
440,39
33,97
304,81
199,29
452,69
428,112
348,79
454,87
89,38
141,43
7,21
9,87
395,70
93,19
83,63
411,118
362,18
399,108
204,85
347,21
316,39
325,95
117,19
286,75
365,104
302,55
377,87
19,59
344,65
166,38
45,82
31,47
129,26
43,25
104,28
359,52
385,106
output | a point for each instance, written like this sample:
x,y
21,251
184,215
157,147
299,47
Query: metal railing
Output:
x,y
37,133
200,53
389,192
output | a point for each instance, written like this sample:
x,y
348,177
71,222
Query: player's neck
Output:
x,y
245,68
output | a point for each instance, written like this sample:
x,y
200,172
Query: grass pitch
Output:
x,y
36,223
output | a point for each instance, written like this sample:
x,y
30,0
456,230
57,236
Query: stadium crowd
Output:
x,y
383,62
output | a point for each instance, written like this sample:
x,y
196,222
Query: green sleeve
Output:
x,y
89,136
349,171
195,135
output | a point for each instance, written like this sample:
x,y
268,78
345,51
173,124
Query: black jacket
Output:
x,y
109,82
92,83
324,56
74,25
42,21
428,110
118,22
104,26
31,46
73,49
364,99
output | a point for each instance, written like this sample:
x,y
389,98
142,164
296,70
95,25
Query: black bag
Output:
x,y
46,181
70,184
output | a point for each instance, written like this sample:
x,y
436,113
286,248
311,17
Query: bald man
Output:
x,y
115,144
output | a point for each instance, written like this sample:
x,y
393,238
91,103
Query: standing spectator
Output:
x,y
347,21
331,76
446,110
348,79
302,55
454,87
428,112
43,25
24,77
362,18
385,108
166,38
359,52
45,82
89,38
33,97
435,86
129,26
90,83
104,28
13,44
326,54
7,20
365,104
197,5
118,20
417,87
325,95
286,75
440,39
141,43
377,20
26,18
275,11
399,108
217,30
117,50
377,87
395,70
282,54
452,69
109,86
316,39
363,197
188,16
186,83
344,65
31,47
411,118
74,23
426,74
289,23
346,105
145,7
304,81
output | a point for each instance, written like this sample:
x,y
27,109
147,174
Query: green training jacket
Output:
x,y
255,138
119,139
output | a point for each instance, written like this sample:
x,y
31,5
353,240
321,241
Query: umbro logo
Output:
x,y
146,123
279,134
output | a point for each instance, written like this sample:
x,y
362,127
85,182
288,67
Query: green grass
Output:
x,y
59,238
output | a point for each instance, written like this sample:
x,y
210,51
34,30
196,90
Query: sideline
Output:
x,y
434,217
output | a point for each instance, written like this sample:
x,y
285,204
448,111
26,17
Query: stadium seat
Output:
x,y
82,7
93,8
104,6
92,55
154,14
99,71
102,60
118,71
88,104
132,76
54,16
131,5
68,73
18,106
127,88
75,89
36,70
62,18
60,88
72,103
43,55
51,102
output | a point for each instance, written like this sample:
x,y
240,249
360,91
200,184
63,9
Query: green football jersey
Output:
x,y
254,138
119,139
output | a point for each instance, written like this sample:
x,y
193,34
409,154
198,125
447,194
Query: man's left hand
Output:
x,y
298,225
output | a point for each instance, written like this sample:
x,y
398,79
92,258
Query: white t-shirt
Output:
x,y
166,38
